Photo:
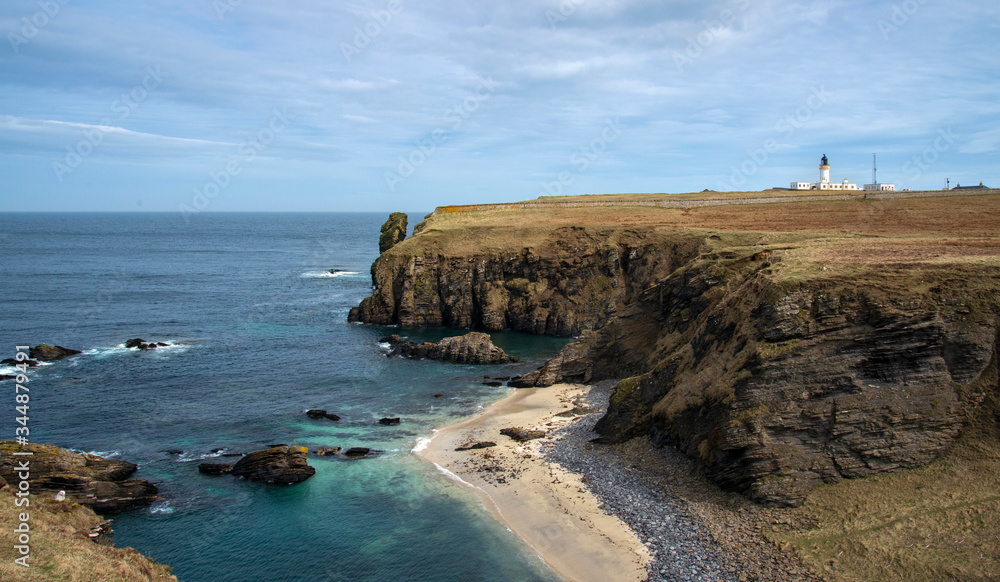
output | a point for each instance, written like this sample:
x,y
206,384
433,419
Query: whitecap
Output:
x,y
161,508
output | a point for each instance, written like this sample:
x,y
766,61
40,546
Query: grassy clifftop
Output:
x,y
61,549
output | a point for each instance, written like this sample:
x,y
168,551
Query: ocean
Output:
x,y
259,333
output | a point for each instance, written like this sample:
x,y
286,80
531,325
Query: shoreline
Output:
x,y
545,505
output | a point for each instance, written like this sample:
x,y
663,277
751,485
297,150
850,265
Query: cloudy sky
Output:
x,y
323,105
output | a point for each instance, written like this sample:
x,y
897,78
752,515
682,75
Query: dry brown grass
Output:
x,y
61,550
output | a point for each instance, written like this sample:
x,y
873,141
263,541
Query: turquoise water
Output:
x,y
262,335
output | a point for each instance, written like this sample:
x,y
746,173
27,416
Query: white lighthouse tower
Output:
x,y
824,180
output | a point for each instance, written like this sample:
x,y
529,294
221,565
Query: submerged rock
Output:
x,y
143,345
320,413
279,465
389,421
355,452
326,451
100,484
47,353
14,362
472,348
215,468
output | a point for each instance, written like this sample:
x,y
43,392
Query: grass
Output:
x,y
938,522
61,550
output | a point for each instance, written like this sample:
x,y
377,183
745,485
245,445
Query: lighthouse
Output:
x,y
824,180
824,170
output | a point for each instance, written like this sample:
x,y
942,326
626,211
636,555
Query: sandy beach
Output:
x,y
545,505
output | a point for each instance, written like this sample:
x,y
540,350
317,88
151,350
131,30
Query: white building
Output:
x,y
824,180
880,187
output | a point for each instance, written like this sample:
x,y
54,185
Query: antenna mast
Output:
x,y
874,169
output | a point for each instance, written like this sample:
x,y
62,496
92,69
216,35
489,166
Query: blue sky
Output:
x,y
232,105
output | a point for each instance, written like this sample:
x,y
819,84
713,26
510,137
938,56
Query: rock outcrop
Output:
x,y
471,348
776,389
393,232
280,465
47,353
575,279
101,484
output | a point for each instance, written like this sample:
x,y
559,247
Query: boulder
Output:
x,y
135,342
326,451
355,452
47,353
389,421
279,465
215,468
393,232
472,348
521,435
143,345
98,483
480,445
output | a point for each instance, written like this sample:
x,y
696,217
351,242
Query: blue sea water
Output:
x,y
260,334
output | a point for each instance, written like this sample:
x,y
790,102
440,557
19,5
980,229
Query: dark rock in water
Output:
x,y
319,413
389,421
47,353
14,362
215,468
393,232
357,452
163,344
7,377
471,348
480,445
326,451
143,345
279,465
439,395
134,342
149,346
493,383
174,451
100,484
521,435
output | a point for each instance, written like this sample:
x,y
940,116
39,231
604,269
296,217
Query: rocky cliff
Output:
x,y
777,360
777,387
572,280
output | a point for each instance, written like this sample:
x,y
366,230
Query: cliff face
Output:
x,y
776,388
575,279
740,348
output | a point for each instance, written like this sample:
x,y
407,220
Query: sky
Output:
x,y
319,105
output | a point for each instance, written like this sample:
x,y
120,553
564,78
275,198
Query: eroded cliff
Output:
x,y
571,280
778,360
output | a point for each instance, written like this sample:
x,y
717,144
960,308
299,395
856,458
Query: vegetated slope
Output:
x,y
61,548
780,345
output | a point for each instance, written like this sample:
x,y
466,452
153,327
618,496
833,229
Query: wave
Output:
x,y
102,454
187,457
161,508
422,443
328,274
